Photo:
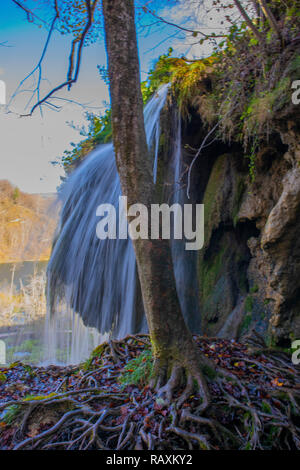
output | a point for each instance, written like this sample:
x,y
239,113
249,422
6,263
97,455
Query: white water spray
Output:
x,y
96,278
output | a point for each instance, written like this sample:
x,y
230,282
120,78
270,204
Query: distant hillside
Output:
x,y
27,224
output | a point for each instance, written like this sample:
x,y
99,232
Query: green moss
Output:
x,y
248,446
254,289
203,446
294,67
237,200
10,414
210,199
39,397
249,304
271,434
29,370
246,323
209,372
209,269
219,255
97,352
266,407
210,272
270,341
138,371
262,106
2,377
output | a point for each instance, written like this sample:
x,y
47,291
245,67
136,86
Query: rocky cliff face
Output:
x,y
249,268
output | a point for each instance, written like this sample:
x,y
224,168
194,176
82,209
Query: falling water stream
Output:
x,y
92,283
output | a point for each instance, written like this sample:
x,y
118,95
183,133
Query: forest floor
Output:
x,y
105,404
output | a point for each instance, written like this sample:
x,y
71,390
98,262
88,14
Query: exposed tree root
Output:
x,y
191,377
252,403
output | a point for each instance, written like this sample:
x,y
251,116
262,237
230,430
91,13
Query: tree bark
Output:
x,y
171,339
248,21
270,17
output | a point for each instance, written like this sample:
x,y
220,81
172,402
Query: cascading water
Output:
x,y
184,261
92,283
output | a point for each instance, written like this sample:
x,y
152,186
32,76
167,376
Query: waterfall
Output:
x,y
184,262
92,283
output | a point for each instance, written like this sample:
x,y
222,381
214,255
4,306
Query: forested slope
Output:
x,y
27,224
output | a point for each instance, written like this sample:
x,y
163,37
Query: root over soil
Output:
x,y
254,403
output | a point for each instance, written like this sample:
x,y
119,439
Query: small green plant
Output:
x,y
29,370
246,322
209,372
271,436
254,289
138,371
97,352
2,377
248,446
266,407
249,304
16,195
10,414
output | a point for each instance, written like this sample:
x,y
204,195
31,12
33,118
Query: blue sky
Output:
x,y
29,144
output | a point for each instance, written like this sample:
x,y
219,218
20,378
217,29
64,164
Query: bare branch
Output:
x,y
70,80
74,62
249,23
202,146
38,67
4,44
31,16
192,31
270,17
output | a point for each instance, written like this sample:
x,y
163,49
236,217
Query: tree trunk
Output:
x,y
270,17
248,21
173,345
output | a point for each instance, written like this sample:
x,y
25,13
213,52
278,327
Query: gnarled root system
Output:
x,y
252,402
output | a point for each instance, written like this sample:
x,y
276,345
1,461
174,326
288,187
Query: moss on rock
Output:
x,y
223,262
